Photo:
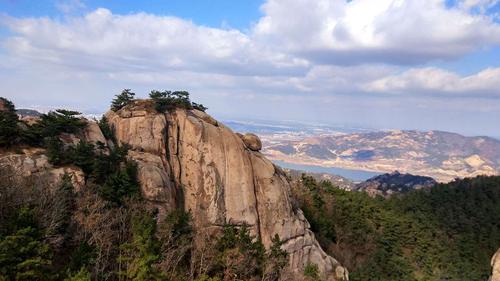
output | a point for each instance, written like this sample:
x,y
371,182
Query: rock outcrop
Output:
x,y
252,142
495,264
394,183
33,163
187,159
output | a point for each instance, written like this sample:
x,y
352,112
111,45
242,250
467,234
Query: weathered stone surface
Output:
x,y
252,142
221,181
155,183
92,133
495,264
34,163
30,120
143,132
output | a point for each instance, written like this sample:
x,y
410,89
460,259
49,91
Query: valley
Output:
x,y
437,154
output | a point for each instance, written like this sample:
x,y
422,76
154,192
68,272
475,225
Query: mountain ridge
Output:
x,y
438,154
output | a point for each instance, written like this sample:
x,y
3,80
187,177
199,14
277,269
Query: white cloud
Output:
x,y
480,6
69,6
388,31
436,81
102,41
309,57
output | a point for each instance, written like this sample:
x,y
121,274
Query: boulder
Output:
x,y
32,163
92,133
252,141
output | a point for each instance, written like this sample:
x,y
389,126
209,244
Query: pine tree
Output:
x,y
142,253
122,99
23,254
9,130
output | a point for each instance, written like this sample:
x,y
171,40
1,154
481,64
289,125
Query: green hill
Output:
x,y
448,232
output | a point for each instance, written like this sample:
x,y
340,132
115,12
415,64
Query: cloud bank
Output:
x,y
300,50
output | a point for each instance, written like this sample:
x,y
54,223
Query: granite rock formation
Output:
x,y
187,159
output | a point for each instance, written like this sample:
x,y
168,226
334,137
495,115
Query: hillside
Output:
x,y
156,190
440,155
448,232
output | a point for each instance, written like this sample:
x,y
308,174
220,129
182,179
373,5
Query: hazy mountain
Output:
x,y
28,112
441,155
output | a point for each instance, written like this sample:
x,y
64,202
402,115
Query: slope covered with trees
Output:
x,y
448,232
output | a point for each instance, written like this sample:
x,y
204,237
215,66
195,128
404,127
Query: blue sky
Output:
x,y
238,14
427,64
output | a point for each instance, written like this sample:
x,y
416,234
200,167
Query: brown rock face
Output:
x,y
495,264
252,142
187,154
92,133
33,163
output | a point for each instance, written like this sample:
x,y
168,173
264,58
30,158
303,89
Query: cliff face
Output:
x,y
187,159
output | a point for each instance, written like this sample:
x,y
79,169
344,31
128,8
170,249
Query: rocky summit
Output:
x,y
186,159
394,183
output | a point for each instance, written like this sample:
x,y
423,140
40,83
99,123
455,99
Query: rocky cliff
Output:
x,y
187,159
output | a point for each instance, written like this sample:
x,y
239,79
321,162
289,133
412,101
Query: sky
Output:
x,y
385,64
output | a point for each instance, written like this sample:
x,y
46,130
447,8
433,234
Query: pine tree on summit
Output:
x,y
122,99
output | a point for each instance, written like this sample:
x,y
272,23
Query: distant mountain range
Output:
x,y
441,155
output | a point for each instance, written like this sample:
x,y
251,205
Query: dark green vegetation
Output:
x,y
168,100
164,100
106,230
57,233
43,133
448,232
9,131
121,100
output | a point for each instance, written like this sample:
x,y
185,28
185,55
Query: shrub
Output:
x,y
142,253
56,152
106,129
121,100
311,271
276,260
121,184
60,121
239,254
167,100
82,275
23,254
199,106
83,156
62,208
